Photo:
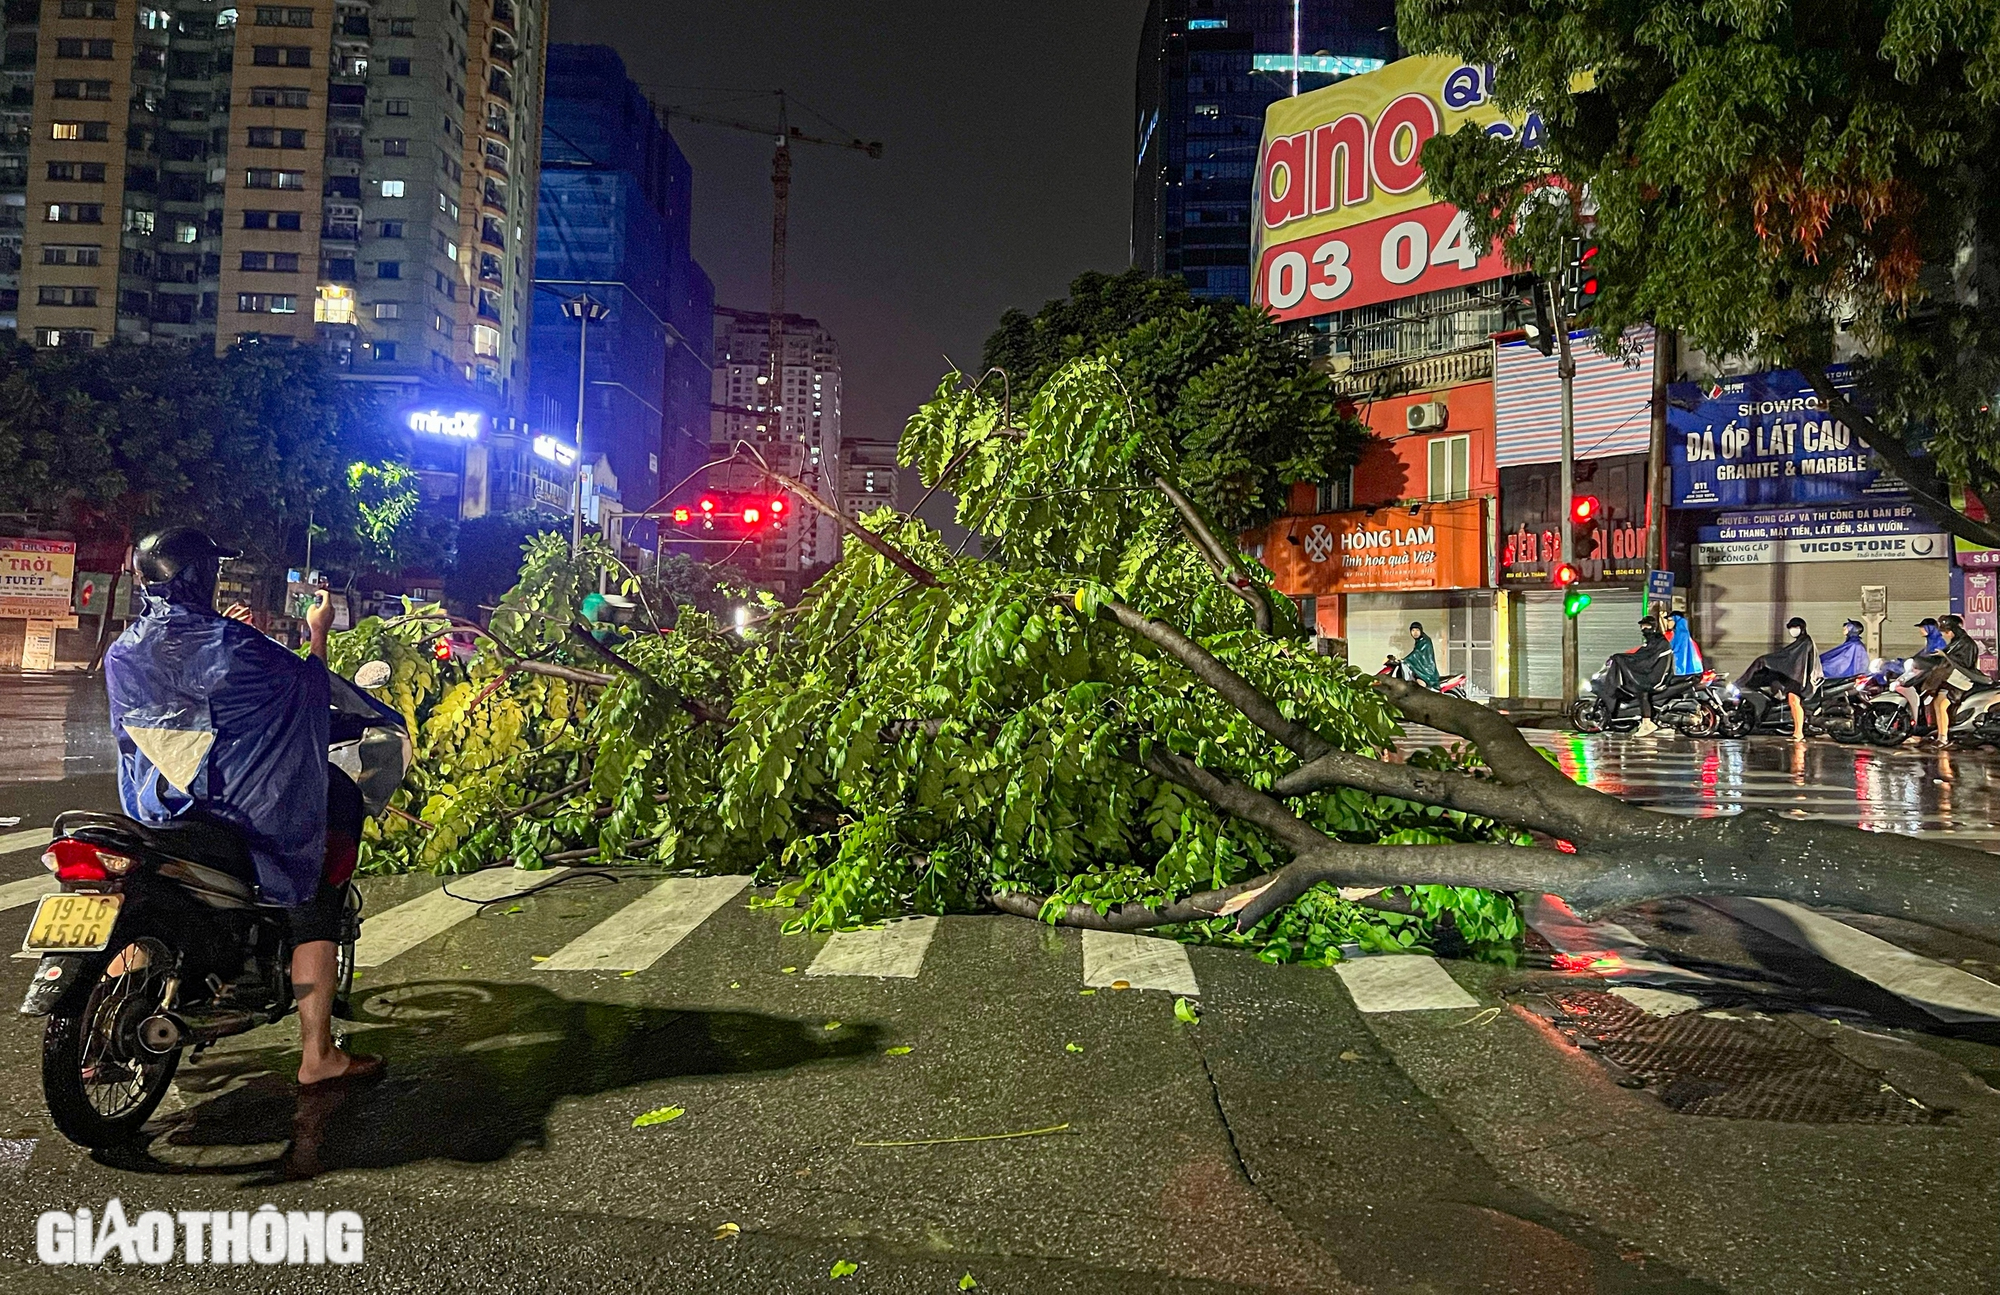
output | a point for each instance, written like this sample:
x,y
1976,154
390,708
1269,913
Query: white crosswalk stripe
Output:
x,y
34,838
639,934
1410,982
1111,959
894,950
16,893
402,928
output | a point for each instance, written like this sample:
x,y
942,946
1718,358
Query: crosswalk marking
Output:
x,y
1945,992
397,930
1406,982
16,893
34,838
895,950
637,935
1138,962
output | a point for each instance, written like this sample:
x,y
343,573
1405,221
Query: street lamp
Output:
x,y
585,310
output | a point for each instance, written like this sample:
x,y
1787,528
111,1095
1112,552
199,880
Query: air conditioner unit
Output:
x,y
1429,417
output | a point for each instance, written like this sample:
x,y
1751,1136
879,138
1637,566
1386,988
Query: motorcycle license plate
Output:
x,y
72,923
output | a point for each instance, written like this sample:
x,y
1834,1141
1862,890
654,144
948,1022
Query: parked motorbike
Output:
x,y
1689,704
1394,667
156,942
1976,718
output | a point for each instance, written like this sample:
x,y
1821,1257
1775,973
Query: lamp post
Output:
x,y
584,309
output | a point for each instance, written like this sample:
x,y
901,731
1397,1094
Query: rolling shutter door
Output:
x,y
1608,626
1377,628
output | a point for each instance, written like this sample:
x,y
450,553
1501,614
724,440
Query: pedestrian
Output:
x,y
1792,669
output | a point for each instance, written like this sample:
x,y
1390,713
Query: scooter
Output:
x,y
1394,667
156,942
1686,703
1976,718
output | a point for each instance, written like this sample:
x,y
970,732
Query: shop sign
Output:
x,y
1417,546
1766,439
1613,551
464,425
1982,617
1868,532
35,577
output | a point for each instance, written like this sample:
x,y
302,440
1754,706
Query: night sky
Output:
x,y
1006,168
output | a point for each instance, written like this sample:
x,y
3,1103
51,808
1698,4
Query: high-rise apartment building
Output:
x,y
868,477
796,428
352,174
615,211
1207,71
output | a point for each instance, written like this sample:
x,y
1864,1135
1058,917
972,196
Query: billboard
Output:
x,y
1766,440
35,577
1341,216
1881,531
1531,511
1414,546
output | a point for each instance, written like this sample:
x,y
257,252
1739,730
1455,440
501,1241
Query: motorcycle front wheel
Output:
x,y
1737,720
1889,727
101,1083
1587,714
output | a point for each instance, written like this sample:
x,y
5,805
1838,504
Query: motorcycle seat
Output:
x,y
209,842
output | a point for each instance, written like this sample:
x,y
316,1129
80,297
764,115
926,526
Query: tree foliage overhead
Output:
x,y
248,444
1765,176
1243,410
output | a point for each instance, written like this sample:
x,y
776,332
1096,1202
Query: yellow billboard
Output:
x,y
1342,216
35,577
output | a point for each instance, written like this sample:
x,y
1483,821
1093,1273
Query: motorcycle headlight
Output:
x,y
1874,665
1734,692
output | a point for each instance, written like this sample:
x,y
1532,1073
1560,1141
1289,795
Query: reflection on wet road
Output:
x,y
57,727
1947,795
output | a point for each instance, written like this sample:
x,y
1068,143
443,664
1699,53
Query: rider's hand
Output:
x,y
239,612
319,617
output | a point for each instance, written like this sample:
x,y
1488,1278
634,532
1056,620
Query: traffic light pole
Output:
x,y
1566,369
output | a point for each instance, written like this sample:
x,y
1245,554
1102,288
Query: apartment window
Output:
x,y
445,247
385,351
334,305
261,178
402,26
138,221
392,188
78,337
1337,495
445,287
267,303
270,220
273,137
83,90
89,9
395,148
283,262
396,107
399,67
62,254
1451,467
277,16
281,55
54,296
77,213
185,231
91,172
69,48
486,341
79,130
388,269
279,96
390,229
388,310
442,325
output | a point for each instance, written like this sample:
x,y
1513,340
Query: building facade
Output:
x,y
337,173
869,477
794,427
1207,71
615,222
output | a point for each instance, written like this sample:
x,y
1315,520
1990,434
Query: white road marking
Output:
x,y
397,930
1945,992
637,935
1657,1002
35,838
16,893
895,949
1402,982
1138,961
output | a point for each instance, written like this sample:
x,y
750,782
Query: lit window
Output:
x,y
335,304
184,232
388,310
67,130
392,188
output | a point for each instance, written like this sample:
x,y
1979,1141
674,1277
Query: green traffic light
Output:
x,y
1575,601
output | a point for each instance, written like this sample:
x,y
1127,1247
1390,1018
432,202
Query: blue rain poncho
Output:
x,y
1687,653
1934,640
209,714
1847,660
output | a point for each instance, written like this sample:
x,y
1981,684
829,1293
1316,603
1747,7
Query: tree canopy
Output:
x,y
1244,413
1771,180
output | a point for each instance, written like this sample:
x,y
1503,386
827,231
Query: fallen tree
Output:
x,y
1107,718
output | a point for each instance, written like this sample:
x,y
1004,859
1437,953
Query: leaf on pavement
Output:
x,y
538,957
658,1116
628,973
842,1268
833,1025
516,909
1085,993
786,971
966,1283
1072,1047
727,1231
1184,1010
900,1050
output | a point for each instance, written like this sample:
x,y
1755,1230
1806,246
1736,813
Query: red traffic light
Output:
x,y
442,649
707,505
1583,509
777,507
1565,576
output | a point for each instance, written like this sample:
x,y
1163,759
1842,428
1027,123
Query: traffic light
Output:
x,y
1583,509
1542,332
1580,279
1565,575
751,516
1575,601
441,649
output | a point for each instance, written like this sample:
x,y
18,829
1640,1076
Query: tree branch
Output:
x,y
1921,481
909,565
581,633
1223,559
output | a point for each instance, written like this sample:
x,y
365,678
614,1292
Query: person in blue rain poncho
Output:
x,y
1934,644
214,720
1850,658
1687,653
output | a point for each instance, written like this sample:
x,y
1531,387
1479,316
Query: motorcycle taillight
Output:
x,y
73,860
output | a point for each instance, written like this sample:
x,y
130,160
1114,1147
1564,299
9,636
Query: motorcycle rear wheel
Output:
x,y
1737,720
1587,715
100,1084
1706,721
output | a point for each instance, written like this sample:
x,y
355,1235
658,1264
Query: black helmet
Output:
x,y
1927,623
1952,624
163,555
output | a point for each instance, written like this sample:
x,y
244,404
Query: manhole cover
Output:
x,y
1730,1067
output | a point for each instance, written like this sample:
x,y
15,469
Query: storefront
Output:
x,y
35,600
1975,589
1788,516
1370,572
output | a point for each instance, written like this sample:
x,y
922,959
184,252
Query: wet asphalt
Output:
x,y
1285,1142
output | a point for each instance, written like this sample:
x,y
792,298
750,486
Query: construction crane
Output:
x,y
786,135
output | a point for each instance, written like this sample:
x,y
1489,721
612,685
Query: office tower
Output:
x,y
868,477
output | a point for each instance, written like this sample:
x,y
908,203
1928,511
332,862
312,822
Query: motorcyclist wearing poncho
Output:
x,y
215,720
1422,657
1638,671
1792,669
1687,653
1850,658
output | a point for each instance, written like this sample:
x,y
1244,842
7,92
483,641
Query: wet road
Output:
x,y
1394,1125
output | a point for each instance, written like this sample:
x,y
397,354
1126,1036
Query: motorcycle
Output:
x,y
1976,718
1689,704
156,942
1394,667
1900,711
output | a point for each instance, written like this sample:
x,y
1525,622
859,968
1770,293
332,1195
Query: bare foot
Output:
x,y
338,1065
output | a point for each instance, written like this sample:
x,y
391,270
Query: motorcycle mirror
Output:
x,y
372,674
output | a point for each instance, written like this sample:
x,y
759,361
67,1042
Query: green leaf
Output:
x,y
966,1283
659,1115
842,1268
900,1050
1184,1011
1072,1047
